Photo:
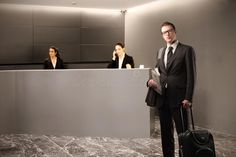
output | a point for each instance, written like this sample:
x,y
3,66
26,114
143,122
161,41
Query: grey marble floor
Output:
x,y
25,145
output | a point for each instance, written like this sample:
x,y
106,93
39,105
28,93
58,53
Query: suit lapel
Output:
x,y
162,62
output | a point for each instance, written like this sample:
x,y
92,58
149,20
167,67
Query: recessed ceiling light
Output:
x,y
73,3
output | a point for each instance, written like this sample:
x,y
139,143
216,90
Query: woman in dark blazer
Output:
x,y
120,59
53,61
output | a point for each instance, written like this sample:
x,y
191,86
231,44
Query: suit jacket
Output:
x,y
179,75
48,64
127,60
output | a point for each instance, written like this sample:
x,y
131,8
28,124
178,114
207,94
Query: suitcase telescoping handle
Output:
x,y
191,115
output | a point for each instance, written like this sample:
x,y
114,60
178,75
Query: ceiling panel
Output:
x,y
101,4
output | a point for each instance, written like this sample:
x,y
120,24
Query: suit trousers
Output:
x,y
170,117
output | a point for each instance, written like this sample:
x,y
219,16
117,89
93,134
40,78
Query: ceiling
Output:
x,y
100,4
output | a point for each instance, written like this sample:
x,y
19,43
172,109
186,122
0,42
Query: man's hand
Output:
x,y
186,103
152,83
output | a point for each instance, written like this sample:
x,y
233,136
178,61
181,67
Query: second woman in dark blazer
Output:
x,y
120,59
53,61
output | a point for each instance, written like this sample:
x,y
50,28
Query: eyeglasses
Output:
x,y
167,32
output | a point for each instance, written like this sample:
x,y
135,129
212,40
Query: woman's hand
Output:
x,y
114,55
128,66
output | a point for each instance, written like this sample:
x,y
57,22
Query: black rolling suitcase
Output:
x,y
196,143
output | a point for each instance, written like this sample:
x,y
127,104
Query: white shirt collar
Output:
x,y
174,45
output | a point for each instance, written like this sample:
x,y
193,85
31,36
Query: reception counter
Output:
x,y
81,102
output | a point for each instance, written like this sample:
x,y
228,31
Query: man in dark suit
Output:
x,y
177,70
120,59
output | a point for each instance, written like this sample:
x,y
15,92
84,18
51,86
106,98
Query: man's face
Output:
x,y
168,34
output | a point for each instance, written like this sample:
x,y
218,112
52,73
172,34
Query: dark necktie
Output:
x,y
169,55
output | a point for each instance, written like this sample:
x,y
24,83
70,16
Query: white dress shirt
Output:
x,y
121,60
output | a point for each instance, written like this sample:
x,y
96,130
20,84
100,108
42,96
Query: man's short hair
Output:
x,y
166,23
